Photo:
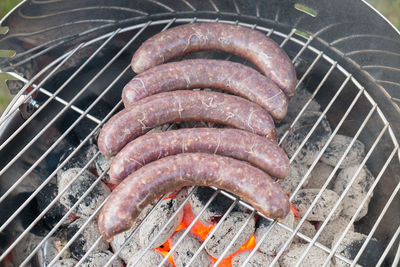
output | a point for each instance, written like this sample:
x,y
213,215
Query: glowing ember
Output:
x,y
295,212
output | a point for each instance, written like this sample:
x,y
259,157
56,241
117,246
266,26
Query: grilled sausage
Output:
x,y
247,43
183,105
234,143
167,174
207,73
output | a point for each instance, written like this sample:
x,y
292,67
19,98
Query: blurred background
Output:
x,y
389,8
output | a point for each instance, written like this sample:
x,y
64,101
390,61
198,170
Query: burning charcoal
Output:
x,y
100,258
85,239
357,192
307,229
91,202
292,180
331,229
65,263
298,101
150,259
319,175
226,231
276,237
350,246
80,158
321,209
102,165
186,249
24,248
314,257
157,220
282,127
50,249
258,259
215,210
338,146
299,132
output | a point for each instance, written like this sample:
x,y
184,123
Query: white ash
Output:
x,y
307,229
50,248
319,175
215,210
187,248
157,219
298,101
258,259
314,257
70,262
25,247
314,143
303,199
357,192
103,165
297,171
92,200
150,259
226,232
331,229
351,245
338,146
79,159
85,239
100,258
276,237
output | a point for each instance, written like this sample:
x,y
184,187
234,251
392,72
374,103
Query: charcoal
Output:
x,y
331,229
336,150
70,262
307,229
321,209
102,165
298,101
314,257
357,192
100,258
50,249
282,127
187,248
79,159
150,259
296,172
157,219
91,202
24,248
319,175
314,144
276,237
85,239
258,259
350,246
215,210
226,232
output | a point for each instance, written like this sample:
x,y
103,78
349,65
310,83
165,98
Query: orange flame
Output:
x,y
295,212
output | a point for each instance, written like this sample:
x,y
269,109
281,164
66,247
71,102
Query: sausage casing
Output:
x,y
183,105
234,143
207,73
167,174
245,42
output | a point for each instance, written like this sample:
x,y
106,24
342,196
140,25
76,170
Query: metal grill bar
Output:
x,y
353,219
389,246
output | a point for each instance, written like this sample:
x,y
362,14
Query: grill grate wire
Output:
x,y
305,46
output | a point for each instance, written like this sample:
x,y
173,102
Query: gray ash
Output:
x,y
187,248
70,262
227,231
331,229
100,258
298,101
319,175
314,257
258,259
102,165
50,249
79,159
296,172
150,259
215,210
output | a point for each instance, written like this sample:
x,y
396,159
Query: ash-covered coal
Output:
x,y
307,229
28,243
85,239
99,258
50,248
103,165
331,229
304,197
80,185
79,159
338,146
276,237
227,231
187,248
299,100
296,172
351,245
215,210
258,259
357,192
298,133
150,259
70,262
314,257
319,175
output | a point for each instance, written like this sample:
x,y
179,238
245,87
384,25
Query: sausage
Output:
x,y
179,106
170,173
245,42
234,143
207,73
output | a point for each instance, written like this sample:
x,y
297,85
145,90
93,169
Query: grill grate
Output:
x,y
85,115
